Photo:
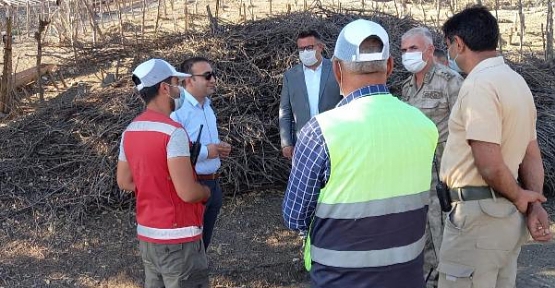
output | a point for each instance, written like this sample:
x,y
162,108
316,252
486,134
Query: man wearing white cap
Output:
x,y
154,163
360,177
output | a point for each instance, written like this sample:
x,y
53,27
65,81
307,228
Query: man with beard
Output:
x,y
154,163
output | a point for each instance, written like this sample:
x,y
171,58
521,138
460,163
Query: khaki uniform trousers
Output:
x,y
175,265
434,235
481,243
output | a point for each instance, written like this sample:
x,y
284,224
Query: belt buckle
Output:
x,y
459,192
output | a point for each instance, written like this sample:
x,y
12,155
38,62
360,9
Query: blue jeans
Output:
x,y
212,209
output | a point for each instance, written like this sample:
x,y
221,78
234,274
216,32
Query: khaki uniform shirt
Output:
x,y
494,105
435,98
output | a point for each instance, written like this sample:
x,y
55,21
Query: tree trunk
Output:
x,y
38,36
6,86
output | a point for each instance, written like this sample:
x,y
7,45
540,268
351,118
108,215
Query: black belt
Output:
x,y
206,177
470,193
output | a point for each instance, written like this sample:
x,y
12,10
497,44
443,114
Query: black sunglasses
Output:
x,y
207,75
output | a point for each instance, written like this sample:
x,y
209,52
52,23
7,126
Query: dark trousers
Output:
x,y
212,209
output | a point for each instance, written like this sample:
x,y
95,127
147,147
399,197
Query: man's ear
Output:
x,y
389,66
336,70
459,44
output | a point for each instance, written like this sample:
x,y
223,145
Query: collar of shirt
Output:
x,y
370,90
487,63
427,77
191,99
318,69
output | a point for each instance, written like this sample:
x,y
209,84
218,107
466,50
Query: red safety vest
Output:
x,y
162,217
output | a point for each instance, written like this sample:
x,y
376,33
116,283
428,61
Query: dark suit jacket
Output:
x,y
294,110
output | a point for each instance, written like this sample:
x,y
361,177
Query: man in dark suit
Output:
x,y
309,88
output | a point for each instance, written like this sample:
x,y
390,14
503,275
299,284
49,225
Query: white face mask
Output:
x,y
413,62
308,57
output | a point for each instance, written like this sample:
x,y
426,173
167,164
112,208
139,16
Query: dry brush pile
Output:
x,y
63,156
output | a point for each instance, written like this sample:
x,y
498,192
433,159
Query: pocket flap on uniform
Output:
x,y
455,270
429,103
501,208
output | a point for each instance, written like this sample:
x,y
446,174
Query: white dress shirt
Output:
x,y
191,115
312,81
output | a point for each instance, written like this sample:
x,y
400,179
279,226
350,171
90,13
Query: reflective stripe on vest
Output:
x,y
168,234
374,207
362,259
381,152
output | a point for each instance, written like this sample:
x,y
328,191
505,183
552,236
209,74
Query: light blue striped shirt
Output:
x,y
191,115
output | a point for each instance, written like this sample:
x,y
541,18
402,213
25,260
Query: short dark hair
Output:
x,y
309,33
439,53
149,93
477,28
188,63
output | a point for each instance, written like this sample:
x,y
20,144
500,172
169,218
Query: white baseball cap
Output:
x,y
155,71
352,35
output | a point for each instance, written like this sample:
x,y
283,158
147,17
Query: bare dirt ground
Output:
x,y
251,247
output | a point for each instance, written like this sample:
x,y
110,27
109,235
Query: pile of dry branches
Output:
x,y
63,156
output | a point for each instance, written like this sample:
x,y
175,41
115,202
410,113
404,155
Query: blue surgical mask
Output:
x,y
452,64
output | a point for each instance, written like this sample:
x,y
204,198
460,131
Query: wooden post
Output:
x,y
28,24
186,16
288,8
305,5
438,12
361,2
522,27
143,21
6,86
38,36
497,17
157,19
544,44
217,9
95,29
270,7
549,32
121,35
101,12
252,11
173,16
244,12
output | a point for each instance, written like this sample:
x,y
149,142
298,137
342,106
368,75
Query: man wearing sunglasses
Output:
x,y
194,113
309,88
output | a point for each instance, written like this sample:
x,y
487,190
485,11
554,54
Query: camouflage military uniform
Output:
x,y
435,98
